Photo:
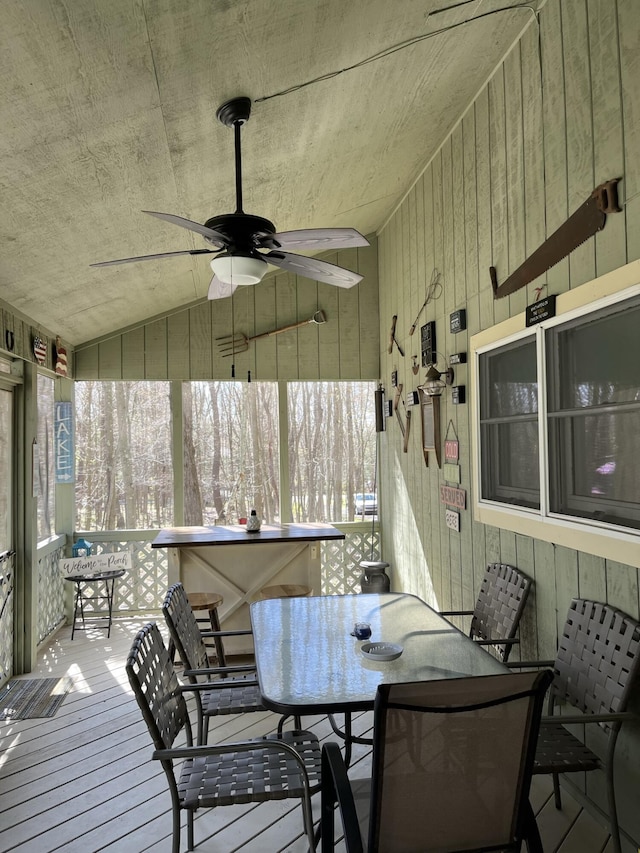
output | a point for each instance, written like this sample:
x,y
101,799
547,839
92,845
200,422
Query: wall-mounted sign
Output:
x,y
451,450
453,496
458,321
452,519
458,358
63,436
458,395
428,343
540,310
394,378
413,398
451,472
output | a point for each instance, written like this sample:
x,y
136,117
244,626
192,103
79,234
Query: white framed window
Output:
x,y
556,421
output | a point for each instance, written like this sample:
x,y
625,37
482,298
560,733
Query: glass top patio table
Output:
x,y
308,662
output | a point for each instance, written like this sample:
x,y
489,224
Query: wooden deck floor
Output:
x,y
82,781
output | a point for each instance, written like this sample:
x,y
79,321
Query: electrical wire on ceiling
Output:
x,y
388,51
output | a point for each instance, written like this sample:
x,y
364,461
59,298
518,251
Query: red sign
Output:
x,y
451,450
453,496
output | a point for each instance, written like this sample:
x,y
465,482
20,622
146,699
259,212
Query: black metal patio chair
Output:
x,y
237,694
595,671
278,766
451,769
498,609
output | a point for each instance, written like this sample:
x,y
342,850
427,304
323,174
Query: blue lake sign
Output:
x,y
63,434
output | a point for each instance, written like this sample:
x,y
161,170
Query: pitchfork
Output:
x,y
231,344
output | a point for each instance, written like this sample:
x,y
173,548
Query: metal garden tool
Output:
x,y
231,344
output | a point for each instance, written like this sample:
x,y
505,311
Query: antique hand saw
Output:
x,y
586,221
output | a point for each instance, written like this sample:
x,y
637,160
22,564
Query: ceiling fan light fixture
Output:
x,y
239,269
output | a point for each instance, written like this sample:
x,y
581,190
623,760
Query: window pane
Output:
x,y
598,359
124,471
509,381
509,425
594,416
510,469
231,451
45,472
332,449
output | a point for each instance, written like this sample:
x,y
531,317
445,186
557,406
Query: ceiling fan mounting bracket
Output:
x,y
235,111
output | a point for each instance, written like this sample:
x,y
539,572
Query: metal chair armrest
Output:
x,y
497,642
240,632
531,664
337,789
456,612
570,719
217,670
215,685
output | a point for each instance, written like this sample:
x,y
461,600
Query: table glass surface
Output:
x,y
307,659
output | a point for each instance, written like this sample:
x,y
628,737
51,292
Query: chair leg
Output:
x,y
556,791
613,811
532,837
175,843
190,844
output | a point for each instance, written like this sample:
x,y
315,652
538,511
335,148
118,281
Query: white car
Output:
x,y
365,504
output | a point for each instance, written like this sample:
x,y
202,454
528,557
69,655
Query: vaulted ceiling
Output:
x,y
107,108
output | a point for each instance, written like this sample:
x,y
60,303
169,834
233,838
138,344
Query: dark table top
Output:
x,y
308,662
234,534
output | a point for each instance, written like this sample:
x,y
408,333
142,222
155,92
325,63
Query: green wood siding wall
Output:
x,y
184,345
559,116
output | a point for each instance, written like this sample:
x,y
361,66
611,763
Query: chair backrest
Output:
x,y
452,762
184,629
500,604
155,686
598,658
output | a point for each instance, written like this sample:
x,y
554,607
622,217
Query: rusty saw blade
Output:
x,y
586,221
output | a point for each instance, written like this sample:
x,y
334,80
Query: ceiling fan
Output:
x,y
245,245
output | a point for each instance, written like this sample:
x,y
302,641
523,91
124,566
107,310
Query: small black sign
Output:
x,y
394,378
541,310
413,398
458,321
458,395
458,358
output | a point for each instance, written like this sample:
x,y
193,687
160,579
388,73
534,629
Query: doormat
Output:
x,y
28,698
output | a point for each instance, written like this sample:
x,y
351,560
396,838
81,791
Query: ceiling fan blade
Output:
x,y
220,289
155,257
313,268
317,238
216,237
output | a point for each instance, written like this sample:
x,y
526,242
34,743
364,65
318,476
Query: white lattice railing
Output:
x,y
340,559
6,619
144,586
51,587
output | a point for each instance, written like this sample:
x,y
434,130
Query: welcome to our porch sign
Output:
x,y
95,564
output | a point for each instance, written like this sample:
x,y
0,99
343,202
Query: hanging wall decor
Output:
x,y
430,410
40,349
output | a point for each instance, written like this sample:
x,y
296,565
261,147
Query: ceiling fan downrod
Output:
x,y
235,113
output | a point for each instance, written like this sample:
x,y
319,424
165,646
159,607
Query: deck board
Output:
x,y
83,780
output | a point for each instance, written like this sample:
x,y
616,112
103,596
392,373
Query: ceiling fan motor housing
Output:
x,y
244,232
